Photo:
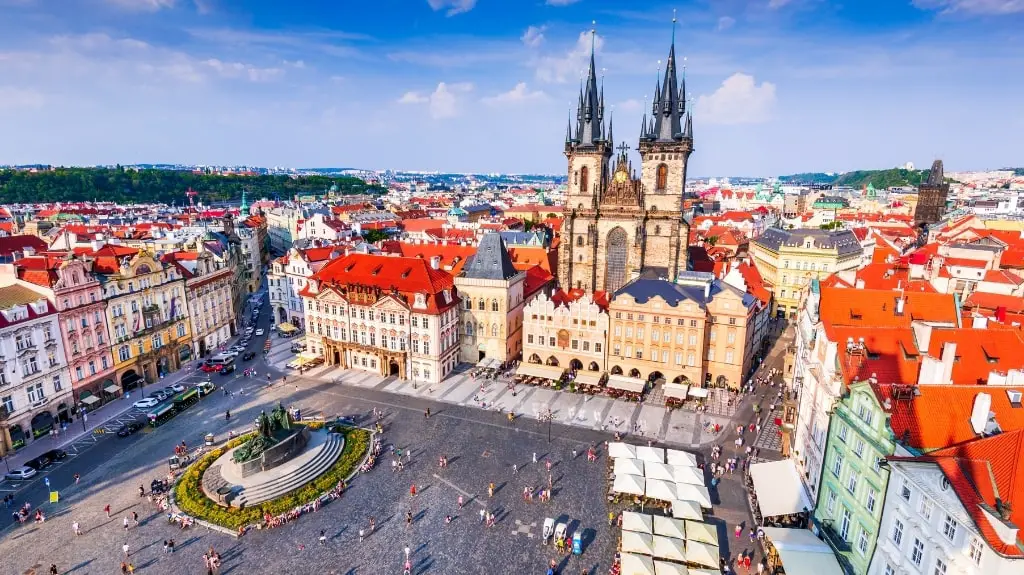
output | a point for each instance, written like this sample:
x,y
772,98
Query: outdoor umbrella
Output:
x,y
633,542
632,564
669,527
703,532
631,484
668,548
652,454
627,466
619,449
639,522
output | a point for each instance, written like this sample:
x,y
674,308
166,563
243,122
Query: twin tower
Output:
x,y
617,225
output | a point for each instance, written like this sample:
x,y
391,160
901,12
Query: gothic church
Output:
x,y
615,223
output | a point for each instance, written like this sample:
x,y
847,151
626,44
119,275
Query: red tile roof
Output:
x,y
994,301
877,308
453,256
891,354
979,352
537,278
11,244
406,276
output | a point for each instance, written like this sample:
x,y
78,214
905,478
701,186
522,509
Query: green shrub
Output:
x,y
191,499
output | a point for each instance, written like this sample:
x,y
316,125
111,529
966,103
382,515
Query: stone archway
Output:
x,y
634,372
552,360
616,370
576,364
593,366
681,379
534,358
393,368
654,376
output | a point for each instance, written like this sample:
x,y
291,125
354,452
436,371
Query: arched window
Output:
x,y
480,305
494,305
469,328
657,230
579,241
662,180
494,330
468,303
584,180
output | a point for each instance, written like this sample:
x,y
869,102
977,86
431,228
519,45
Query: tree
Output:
x,y
711,240
374,236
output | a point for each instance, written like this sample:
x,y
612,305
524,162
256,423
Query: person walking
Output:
x,y
535,457
124,549
412,490
126,524
483,515
461,502
408,518
77,477
53,569
490,489
76,529
515,469
323,537
170,543
106,510
373,524
135,518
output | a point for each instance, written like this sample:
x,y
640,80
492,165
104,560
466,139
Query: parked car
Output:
x,y
21,473
161,395
177,387
38,463
169,391
209,367
298,347
238,348
260,331
56,454
227,368
129,428
146,403
248,355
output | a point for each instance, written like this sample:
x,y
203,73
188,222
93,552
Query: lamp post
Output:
x,y
547,415
81,407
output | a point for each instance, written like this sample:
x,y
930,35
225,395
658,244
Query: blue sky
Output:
x,y
780,86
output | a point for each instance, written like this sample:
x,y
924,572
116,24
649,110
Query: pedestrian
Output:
x,y
574,454
412,490
447,518
107,510
373,524
515,469
124,568
548,465
490,489
125,549
535,457
611,518
460,502
408,518
76,528
165,546
361,535
483,515
323,537
746,563
131,568
135,518
77,477
125,523
53,569
170,543
739,529
760,567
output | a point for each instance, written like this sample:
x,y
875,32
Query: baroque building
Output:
x,y
492,291
618,224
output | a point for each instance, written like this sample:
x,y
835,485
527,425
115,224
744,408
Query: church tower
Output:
x,y
588,149
666,142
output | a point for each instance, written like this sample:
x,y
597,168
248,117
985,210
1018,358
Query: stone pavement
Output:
x,y
646,420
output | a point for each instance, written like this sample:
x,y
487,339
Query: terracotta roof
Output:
x,y
453,256
11,244
891,354
932,417
755,283
877,308
108,257
979,352
536,279
562,297
423,224
995,301
406,276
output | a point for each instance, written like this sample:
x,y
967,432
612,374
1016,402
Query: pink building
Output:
x,y
68,281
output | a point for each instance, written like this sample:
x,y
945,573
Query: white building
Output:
x,y
571,327
35,386
322,227
288,275
384,314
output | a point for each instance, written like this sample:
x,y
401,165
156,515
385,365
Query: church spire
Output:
x,y
591,109
669,107
611,138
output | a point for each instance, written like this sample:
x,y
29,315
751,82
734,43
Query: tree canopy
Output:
x,y
167,186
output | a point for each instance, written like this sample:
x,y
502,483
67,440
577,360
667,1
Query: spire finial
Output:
x,y
593,35
673,26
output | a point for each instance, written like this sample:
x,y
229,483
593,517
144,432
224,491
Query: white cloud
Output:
x,y
560,2
987,7
143,5
203,6
443,102
453,6
725,22
776,4
739,100
15,98
561,69
534,36
240,70
520,93
413,98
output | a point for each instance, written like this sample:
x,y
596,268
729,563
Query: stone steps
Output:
x,y
329,452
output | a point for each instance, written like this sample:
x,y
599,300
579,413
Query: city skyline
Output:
x,y
468,86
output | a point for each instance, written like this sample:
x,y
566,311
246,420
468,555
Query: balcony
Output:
x,y
839,546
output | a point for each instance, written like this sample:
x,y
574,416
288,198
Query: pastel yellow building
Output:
x,y
147,316
789,259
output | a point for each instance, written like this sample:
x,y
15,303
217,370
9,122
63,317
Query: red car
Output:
x,y
209,368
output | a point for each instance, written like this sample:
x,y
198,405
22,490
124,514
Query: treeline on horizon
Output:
x,y
164,186
879,179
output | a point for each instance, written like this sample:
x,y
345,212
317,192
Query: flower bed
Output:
x,y
190,498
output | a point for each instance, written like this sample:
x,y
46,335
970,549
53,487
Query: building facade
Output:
x,y
789,259
35,389
615,223
855,478
696,331
568,329
387,315
208,293
931,197
491,289
147,315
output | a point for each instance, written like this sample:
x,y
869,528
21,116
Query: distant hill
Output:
x,y
167,186
878,178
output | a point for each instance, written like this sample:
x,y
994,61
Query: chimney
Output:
x,y
979,322
859,284
707,290
948,356
435,262
900,302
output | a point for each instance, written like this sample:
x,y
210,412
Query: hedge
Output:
x,y
191,499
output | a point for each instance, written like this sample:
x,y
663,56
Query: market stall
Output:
x,y
682,509
701,532
633,564
618,449
627,466
777,490
677,457
697,493
668,548
638,522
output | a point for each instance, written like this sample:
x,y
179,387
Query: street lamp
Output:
x,y
81,407
547,415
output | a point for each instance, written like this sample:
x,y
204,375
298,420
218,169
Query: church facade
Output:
x,y
617,223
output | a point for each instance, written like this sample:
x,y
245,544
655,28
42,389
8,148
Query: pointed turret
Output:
x,y
643,127
611,138
568,131
591,110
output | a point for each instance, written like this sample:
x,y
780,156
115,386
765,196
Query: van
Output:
x,y
220,359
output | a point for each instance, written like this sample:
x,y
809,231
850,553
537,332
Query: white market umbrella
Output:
x,y
659,471
633,542
666,568
639,522
669,527
652,454
619,449
697,493
632,564
631,484
628,466
695,571
702,532
660,490
685,474
701,554
682,509
677,457
668,548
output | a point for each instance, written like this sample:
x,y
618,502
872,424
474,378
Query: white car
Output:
x,y
20,473
260,331
146,403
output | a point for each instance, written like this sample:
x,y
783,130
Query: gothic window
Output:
x,y
584,188
662,179
657,230
494,330
579,241
494,305
469,328
615,272
480,305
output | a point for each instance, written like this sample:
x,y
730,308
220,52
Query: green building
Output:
x,y
854,479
